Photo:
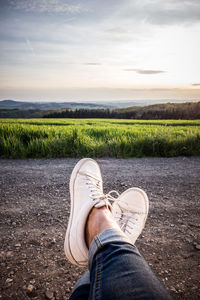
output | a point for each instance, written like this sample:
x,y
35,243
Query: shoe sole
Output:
x,y
67,248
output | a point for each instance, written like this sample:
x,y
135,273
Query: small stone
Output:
x,y
18,245
187,255
32,281
30,288
49,295
189,240
11,273
197,247
9,254
173,289
9,280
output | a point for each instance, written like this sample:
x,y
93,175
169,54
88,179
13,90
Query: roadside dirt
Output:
x,y
34,211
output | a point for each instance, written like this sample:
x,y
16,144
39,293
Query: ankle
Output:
x,y
98,221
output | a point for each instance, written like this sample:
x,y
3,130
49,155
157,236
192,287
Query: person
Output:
x,y
101,232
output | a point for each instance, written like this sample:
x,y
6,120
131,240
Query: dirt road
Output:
x,y
34,210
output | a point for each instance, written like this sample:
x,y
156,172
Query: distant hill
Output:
x,y
16,109
46,105
11,104
187,111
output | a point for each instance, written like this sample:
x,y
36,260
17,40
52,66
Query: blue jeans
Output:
x,y
117,271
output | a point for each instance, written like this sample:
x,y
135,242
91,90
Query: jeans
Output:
x,y
117,271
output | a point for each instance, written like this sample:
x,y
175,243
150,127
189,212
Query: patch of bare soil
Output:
x,y
34,211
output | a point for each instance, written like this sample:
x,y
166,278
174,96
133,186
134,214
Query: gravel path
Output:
x,y
34,210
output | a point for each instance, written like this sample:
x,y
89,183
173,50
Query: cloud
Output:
x,y
48,6
92,64
195,84
157,12
28,43
117,30
147,72
161,12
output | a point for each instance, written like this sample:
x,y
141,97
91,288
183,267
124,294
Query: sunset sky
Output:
x,y
99,49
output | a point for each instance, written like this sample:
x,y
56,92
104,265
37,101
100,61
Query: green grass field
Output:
x,y
35,138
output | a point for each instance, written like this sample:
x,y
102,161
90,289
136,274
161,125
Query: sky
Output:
x,y
99,50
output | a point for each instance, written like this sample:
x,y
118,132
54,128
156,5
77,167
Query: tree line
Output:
x,y
188,111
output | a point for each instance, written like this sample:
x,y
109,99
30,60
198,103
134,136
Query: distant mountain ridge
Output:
x,y
11,104
46,105
119,110
187,111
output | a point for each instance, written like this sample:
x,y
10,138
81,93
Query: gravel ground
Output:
x,y
34,210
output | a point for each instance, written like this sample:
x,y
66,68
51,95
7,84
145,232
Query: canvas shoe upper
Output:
x,y
86,191
130,211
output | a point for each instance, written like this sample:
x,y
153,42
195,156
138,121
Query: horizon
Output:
x,y
60,50
135,102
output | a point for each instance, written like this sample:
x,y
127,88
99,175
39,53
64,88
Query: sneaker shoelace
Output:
x,y
127,220
97,194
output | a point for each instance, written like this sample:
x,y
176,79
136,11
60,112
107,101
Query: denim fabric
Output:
x,y
84,280
105,237
118,271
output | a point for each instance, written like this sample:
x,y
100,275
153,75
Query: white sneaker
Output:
x,y
86,191
130,211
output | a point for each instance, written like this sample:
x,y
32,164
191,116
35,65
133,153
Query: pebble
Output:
x,y
9,280
173,289
189,240
30,288
11,273
9,254
49,295
18,245
197,247
32,281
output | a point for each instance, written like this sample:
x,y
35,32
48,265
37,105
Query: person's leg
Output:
x,y
117,270
99,223
81,289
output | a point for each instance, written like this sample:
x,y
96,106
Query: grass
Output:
x,y
51,138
